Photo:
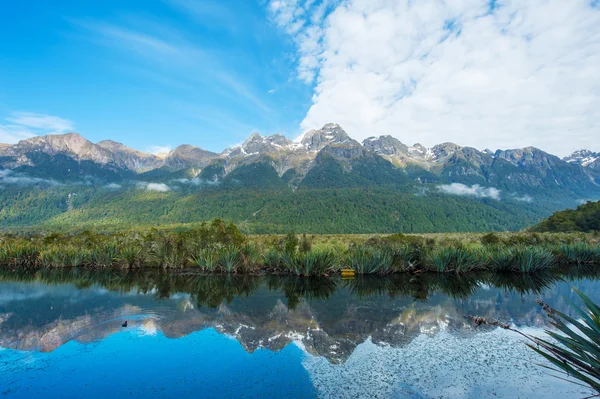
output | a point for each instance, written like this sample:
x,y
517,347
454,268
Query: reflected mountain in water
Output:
x,y
42,310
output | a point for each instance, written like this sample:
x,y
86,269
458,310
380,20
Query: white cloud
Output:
x,y
23,125
524,198
113,186
173,57
519,73
160,187
196,181
159,149
45,122
8,177
474,191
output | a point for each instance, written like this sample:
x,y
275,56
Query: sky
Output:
x,y
154,74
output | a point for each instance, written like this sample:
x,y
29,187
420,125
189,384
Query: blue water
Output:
x,y
204,364
258,337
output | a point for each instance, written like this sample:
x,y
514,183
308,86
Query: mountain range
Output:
x,y
323,182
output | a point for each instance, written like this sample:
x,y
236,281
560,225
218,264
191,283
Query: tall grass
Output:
x,y
458,260
272,259
219,247
369,260
207,260
521,259
130,257
104,256
580,253
316,262
229,258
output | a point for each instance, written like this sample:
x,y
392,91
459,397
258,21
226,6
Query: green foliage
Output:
x,y
369,260
230,258
291,243
521,259
532,259
305,244
585,218
206,259
130,256
272,259
250,258
104,255
450,259
381,208
221,247
579,253
314,263
490,239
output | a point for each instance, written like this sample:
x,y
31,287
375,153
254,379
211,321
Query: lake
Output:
x,y
194,336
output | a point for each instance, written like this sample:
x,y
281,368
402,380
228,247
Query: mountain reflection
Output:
x,y
43,309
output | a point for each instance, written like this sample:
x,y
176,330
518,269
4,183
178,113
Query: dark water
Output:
x,y
191,336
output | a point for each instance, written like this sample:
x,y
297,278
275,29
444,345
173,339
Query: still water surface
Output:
x,y
191,336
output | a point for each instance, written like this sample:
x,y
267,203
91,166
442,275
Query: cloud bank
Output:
x,y
23,125
7,176
497,74
159,149
196,181
159,187
474,191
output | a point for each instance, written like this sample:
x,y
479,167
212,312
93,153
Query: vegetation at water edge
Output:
x,y
220,247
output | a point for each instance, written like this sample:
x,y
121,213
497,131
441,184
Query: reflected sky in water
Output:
x,y
249,336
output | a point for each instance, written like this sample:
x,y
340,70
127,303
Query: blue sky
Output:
x,y
151,73
481,73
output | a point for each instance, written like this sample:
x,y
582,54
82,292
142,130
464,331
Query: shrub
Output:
x,y
531,259
368,260
250,257
229,258
502,259
451,259
130,256
167,252
272,259
290,243
490,239
579,253
313,263
305,244
207,260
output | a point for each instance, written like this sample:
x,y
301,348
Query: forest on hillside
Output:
x,y
585,218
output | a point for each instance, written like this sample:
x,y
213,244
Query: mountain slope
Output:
x,y
324,182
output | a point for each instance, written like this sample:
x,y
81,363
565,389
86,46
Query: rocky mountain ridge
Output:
x,y
283,154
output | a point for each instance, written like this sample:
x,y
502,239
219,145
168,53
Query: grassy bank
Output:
x,y
220,247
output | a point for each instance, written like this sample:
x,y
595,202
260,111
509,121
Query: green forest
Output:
x,y
262,210
585,218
